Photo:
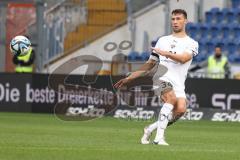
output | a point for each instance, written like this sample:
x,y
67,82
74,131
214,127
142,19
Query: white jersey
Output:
x,y
177,72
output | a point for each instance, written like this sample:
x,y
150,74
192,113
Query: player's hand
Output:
x,y
121,83
159,51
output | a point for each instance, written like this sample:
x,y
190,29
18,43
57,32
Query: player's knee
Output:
x,y
169,97
180,110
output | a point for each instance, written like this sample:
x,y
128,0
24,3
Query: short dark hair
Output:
x,y
180,11
218,46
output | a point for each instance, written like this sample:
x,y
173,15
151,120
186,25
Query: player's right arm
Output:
x,y
143,70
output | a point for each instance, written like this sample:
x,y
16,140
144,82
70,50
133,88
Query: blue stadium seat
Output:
x,y
144,56
210,46
221,17
134,56
235,57
193,30
225,17
236,31
215,31
211,16
230,15
204,30
202,46
237,41
237,12
202,52
223,43
199,58
231,47
236,3
226,30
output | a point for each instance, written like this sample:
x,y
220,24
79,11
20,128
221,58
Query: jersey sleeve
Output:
x,y
192,48
154,56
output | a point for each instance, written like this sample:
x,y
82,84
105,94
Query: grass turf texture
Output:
x,y
38,137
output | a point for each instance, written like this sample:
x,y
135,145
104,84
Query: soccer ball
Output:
x,y
20,45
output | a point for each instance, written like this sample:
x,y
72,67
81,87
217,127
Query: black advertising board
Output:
x,y
40,93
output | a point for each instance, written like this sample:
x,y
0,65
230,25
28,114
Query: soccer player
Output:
x,y
175,52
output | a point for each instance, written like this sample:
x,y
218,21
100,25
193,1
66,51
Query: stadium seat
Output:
x,y
202,45
222,43
221,17
211,16
202,52
226,30
230,15
144,56
237,41
234,58
210,45
237,12
204,30
193,30
134,56
231,47
236,3
236,31
225,18
215,31
199,58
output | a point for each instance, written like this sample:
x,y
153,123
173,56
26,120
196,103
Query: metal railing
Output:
x,y
61,19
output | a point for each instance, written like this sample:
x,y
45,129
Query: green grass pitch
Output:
x,y
44,137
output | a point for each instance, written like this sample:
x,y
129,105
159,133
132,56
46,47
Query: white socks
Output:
x,y
154,125
162,121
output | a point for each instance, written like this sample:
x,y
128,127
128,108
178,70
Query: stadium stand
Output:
x,y
101,17
221,27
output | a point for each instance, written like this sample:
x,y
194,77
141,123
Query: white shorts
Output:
x,y
158,88
180,93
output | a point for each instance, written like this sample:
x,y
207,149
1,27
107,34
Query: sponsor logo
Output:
x,y
173,46
139,113
85,112
192,115
224,101
225,116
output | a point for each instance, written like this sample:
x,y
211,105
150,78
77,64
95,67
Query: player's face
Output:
x,y
178,22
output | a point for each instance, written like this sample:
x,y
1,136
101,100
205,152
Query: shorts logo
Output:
x,y
173,46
